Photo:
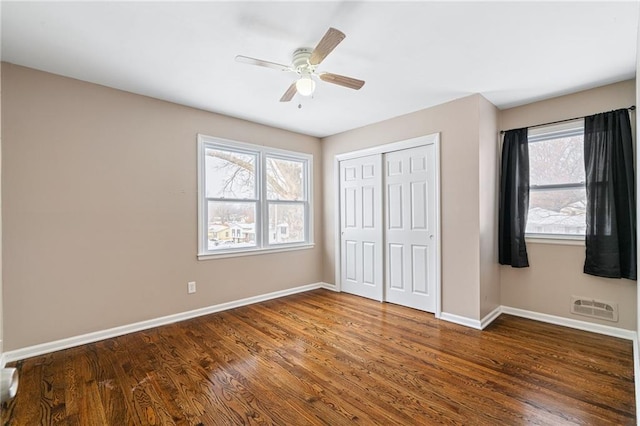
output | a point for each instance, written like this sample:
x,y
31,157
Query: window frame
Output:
x,y
262,201
545,133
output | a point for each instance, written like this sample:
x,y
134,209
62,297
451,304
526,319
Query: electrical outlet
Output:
x,y
191,287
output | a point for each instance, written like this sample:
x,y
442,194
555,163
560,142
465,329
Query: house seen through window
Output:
x,y
252,197
557,197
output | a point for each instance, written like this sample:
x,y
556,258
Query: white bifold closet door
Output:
x,y
410,257
388,220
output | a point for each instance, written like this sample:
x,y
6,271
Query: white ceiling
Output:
x,y
413,55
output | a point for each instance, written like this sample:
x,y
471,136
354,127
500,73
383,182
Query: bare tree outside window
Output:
x,y
285,184
230,174
284,179
557,199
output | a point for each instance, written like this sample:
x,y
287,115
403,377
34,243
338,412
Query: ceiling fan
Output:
x,y
304,63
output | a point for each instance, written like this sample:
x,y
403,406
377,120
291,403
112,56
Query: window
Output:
x,y
261,194
557,197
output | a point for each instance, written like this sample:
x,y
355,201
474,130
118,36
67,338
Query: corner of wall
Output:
x,y
1,288
2,360
488,210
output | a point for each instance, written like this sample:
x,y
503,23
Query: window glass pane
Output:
x,y
557,212
286,223
556,161
230,174
285,179
231,225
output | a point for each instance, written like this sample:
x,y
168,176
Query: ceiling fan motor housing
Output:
x,y
301,60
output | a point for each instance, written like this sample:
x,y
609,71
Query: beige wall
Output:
x,y
1,298
637,103
488,190
458,124
99,195
555,272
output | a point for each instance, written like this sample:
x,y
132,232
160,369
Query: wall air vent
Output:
x,y
594,308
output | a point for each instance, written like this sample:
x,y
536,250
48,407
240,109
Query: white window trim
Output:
x,y
544,133
554,131
561,239
262,236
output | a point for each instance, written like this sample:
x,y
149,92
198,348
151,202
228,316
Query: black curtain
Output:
x,y
611,208
514,199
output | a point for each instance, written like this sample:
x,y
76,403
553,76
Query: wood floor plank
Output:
x,y
359,370
270,358
220,390
437,379
407,377
325,358
471,355
292,359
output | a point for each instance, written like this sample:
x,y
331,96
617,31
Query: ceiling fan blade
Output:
x,y
261,63
290,93
330,40
341,80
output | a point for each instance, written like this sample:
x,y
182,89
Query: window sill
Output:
x,y
253,252
565,240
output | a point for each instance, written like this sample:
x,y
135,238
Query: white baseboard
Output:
x,y
327,286
551,319
469,322
490,317
43,348
460,320
572,323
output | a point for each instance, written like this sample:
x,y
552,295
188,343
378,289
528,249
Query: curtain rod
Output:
x,y
631,108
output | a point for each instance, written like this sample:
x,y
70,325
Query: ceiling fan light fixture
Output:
x,y
305,85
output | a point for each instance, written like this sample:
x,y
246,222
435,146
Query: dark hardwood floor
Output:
x,y
332,359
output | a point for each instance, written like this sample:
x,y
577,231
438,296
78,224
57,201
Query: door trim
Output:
x,y
433,138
